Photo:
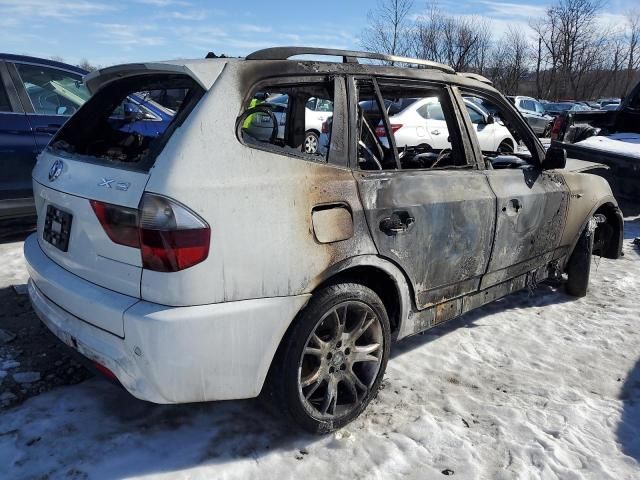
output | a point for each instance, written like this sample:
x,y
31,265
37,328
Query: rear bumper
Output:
x,y
173,354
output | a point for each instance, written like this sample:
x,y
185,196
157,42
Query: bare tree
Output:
x,y
509,61
462,42
85,65
388,29
633,43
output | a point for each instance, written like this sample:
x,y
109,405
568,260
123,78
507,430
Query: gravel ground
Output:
x,y
32,360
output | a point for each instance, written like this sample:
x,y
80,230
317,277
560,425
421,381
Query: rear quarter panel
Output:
x,y
258,205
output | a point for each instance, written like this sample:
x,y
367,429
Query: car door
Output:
x,y
530,210
543,120
50,95
17,150
435,223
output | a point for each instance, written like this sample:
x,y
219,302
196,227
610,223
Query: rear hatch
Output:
x,y
101,159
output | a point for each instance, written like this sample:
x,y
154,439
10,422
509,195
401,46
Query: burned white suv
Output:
x,y
196,258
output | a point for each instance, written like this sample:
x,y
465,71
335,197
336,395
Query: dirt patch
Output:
x,y
32,359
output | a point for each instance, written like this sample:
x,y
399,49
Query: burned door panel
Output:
x,y
531,210
436,225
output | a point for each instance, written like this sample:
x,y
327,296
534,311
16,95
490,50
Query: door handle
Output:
x,y
398,222
435,132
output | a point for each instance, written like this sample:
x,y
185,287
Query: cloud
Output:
x,y
247,27
510,10
189,16
128,36
29,9
164,3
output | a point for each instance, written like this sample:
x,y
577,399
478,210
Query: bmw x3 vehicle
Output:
x,y
210,263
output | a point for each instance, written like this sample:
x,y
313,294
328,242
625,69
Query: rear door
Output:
x,y
17,149
429,210
50,95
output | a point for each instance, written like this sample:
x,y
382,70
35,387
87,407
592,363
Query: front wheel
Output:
x,y
579,265
332,361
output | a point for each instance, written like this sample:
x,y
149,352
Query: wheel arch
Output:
x,y
612,247
382,276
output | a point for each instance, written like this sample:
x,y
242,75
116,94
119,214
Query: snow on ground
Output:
x,y
623,143
534,386
12,267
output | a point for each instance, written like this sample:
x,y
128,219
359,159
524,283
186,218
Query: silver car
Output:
x,y
535,114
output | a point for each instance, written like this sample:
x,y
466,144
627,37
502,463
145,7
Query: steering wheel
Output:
x,y
266,110
372,156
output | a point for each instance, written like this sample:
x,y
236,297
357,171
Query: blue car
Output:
x,y
37,96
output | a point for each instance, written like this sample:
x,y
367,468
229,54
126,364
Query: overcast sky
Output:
x,y
107,32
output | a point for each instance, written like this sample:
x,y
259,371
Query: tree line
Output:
x,y
569,53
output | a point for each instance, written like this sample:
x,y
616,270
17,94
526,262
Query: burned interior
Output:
x,y
123,123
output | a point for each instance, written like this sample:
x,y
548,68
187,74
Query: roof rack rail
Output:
x,y
348,56
476,76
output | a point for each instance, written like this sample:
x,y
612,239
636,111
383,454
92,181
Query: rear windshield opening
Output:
x,y
128,121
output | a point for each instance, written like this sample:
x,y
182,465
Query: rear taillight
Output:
x,y
172,237
325,127
169,235
119,223
382,132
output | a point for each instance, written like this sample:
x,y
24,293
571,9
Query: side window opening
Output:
x,y
294,118
503,140
422,122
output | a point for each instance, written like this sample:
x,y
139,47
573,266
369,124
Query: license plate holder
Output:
x,y
57,228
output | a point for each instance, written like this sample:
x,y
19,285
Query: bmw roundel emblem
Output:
x,y
55,170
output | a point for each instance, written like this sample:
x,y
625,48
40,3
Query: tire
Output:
x,y
311,142
314,361
505,147
579,265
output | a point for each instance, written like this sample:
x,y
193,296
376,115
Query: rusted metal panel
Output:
x,y
446,249
259,205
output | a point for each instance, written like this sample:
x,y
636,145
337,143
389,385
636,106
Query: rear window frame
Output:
x,y
147,162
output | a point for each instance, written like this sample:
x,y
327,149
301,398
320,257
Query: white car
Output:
x,y
422,122
317,110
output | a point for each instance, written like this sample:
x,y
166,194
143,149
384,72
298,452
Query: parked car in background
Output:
x,y
535,114
608,101
610,136
422,122
206,263
592,105
317,110
555,109
36,97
